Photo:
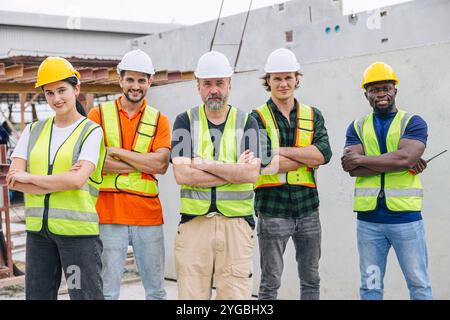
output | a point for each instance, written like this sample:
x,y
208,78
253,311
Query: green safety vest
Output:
x,y
303,176
403,191
232,200
137,183
70,212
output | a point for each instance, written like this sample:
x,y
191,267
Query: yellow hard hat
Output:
x,y
54,69
378,71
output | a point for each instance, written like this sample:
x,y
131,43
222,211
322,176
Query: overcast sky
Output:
x,y
163,11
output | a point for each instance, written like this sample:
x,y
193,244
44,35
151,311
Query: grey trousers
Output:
x,y
273,235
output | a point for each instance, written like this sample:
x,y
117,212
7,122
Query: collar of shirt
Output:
x,y
138,113
275,109
291,122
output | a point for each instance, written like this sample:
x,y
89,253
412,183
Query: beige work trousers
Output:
x,y
216,248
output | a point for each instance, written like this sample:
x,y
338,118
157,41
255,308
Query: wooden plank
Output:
x,y
188,75
161,76
6,87
2,69
113,76
29,75
18,233
29,103
9,87
4,271
174,76
12,281
22,99
101,74
87,74
11,72
101,88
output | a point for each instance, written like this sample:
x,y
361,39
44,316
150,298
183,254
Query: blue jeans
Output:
x,y
408,241
148,249
273,235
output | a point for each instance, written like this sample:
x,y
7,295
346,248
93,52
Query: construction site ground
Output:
x,y
13,288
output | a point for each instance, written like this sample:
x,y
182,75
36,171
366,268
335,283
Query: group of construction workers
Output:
x,y
91,189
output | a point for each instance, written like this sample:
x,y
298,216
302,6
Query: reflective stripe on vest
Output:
x,y
303,176
137,183
232,200
70,212
402,190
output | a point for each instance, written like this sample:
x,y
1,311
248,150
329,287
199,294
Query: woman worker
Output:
x,y
56,164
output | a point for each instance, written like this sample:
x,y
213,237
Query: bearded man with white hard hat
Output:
x,y
215,161
137,137
294,143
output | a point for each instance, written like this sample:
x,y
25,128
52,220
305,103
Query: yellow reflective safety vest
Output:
x,y
303,176
403,191
137,183
232,200
70,212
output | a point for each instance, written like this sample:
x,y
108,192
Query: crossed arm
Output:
x,y
210,173
408,156
290,158
20,180
125,161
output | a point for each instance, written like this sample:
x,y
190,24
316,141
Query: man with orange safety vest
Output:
x,y
137,137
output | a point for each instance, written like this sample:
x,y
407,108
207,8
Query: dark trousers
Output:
x,y
273,235
48,255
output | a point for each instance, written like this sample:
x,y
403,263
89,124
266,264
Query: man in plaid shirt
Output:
x,y
295,143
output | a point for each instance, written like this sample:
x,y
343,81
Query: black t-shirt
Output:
x,y
182,147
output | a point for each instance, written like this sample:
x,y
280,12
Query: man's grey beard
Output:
x,y
214,104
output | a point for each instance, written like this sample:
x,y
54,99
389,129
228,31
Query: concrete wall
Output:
x,y
405,25
333,86
180,49
401,26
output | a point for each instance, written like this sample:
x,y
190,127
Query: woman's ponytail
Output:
x,y
80,109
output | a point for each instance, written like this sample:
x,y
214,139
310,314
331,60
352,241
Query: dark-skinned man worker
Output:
x,y
380,148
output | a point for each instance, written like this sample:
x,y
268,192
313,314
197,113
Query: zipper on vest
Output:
x,y
213,206
381,194
49,172
47,199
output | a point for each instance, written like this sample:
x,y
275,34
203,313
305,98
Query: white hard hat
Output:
x,y
282,60
136,60
213,64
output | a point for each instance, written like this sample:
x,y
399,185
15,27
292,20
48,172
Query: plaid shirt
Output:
x,y
290,201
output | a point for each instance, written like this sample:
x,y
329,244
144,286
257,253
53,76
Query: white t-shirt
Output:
x,y
89,150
